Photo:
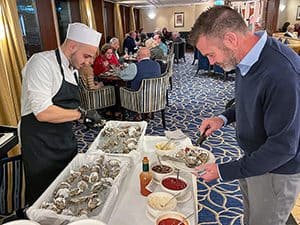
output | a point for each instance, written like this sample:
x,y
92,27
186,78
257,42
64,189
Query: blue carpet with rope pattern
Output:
x,y
192,99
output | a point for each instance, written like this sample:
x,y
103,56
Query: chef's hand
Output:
x,y
208,126
207,172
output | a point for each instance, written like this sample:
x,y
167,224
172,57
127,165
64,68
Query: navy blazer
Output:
x,y
146,68
129,43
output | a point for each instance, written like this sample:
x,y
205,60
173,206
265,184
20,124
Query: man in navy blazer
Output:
x,y
146,68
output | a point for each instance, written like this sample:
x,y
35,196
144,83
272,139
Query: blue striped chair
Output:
x,y
151,96
91,99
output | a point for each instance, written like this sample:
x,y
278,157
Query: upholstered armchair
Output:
x,y
91,99
151,96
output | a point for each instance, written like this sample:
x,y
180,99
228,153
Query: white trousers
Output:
x,y
268,199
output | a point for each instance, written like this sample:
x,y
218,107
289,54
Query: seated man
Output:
x,y
290,32
155,50
129,43
162,45
146,68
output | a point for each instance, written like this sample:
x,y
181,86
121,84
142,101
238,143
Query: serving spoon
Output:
x,y
185,219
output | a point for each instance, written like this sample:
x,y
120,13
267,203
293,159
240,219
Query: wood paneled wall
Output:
x,y
271,15
47,26
109,19
98,7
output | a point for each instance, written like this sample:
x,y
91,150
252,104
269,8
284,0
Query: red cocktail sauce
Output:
x,y
169,221
173,183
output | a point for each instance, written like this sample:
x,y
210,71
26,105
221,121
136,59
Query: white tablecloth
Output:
x,y
130,208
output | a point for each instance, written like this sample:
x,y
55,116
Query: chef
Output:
x,y
49,105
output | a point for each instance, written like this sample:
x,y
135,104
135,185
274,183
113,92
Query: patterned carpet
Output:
x,y
192,99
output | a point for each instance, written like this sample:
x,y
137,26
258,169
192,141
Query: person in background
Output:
x,y
266,112
146,68
49,105
104,61
297,29
290,32
162,45
166,34
284,27
155,50
88,78
115,44
143,39
130,44
176,37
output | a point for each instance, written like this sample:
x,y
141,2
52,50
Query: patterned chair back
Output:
x,y
151,96
12,185
91,99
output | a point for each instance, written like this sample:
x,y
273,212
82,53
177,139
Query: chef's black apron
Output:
x,y
48,147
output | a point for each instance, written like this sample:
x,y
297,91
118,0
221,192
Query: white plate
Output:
x,y
150,217
184,198
151,141
182,166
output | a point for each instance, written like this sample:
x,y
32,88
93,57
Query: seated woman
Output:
x,y
155,51
87,75
105,60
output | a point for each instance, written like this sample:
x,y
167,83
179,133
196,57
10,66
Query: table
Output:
x,y
295,47
131,205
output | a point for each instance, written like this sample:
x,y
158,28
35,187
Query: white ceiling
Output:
x,y
157,3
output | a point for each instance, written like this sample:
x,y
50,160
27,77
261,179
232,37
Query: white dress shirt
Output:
x,y
42,79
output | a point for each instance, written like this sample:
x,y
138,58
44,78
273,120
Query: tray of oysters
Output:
x,y
121,138
87,188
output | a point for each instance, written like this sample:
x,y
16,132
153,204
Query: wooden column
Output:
x,y
46,24
98,6
109,20
271,15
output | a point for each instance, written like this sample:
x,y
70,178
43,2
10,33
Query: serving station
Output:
x,y
104,182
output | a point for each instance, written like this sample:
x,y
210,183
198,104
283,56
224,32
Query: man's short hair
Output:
x,y
215,21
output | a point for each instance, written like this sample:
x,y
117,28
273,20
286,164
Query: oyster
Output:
x,y
97,187
63,192
75,191
82,185
94,177
94,203
84,169
60,203
67,212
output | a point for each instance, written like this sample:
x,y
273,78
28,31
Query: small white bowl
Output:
x,y
170,149
175,187
157,175
172,215
155,201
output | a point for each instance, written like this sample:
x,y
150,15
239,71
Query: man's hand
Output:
x,y
210,125
207,172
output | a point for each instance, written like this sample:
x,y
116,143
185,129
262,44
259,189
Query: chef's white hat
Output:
x,y
82,33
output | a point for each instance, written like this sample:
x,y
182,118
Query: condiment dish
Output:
x,y
161,171
171,217
160,202
175,186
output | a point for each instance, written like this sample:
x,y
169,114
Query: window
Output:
x,y
67,11
30,26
